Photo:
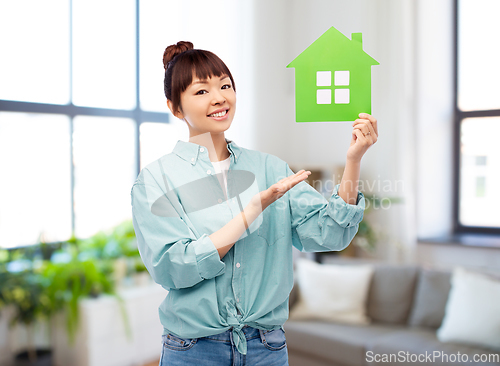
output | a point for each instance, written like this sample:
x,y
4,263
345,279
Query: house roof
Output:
x,y
333,48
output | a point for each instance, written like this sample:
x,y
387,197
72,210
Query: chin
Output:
x,y
220,129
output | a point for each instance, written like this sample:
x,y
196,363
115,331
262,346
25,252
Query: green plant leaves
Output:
x,y
78,269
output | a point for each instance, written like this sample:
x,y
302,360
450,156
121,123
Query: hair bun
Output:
x,y
175,49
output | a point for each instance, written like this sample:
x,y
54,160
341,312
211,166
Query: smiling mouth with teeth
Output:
x,y
220,114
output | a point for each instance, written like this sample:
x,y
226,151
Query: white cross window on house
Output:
x,y
324,96
341,79
324,78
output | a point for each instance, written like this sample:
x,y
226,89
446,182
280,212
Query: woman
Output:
x,y
215,224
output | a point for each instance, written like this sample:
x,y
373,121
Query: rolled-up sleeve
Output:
x,y
319,225
172,254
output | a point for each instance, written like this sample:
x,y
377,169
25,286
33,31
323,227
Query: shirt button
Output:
x,y
209,171
238,265
192,159
220,200
202,149
237,300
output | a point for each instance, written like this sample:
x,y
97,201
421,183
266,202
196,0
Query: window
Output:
x,y
477,117
324,96
82,111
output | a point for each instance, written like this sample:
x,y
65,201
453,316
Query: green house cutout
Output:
x,y
333,79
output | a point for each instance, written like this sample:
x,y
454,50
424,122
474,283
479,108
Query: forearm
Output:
x,y
348,189
225,237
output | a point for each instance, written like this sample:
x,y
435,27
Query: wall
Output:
x,y
434,107
283,30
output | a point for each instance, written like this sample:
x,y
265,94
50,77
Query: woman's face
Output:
x,y
208,105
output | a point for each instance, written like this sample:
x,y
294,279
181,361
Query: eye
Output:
x,y
226,86
200,92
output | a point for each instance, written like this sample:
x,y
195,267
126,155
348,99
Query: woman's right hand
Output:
x,y
277,190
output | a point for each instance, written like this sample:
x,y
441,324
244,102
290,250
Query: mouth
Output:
x,y
219,115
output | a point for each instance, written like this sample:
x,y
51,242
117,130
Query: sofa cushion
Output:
x,y
391,293
431,294
334,342
391,289
331,292
472,310
408,346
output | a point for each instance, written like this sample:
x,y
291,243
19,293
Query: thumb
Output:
x,y
353,137
359,134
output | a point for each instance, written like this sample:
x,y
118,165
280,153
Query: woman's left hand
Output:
x,y
364,135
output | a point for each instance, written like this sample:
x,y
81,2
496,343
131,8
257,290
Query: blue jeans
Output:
x,y
264,348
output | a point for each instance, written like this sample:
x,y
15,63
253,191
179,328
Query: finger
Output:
x,y
363,128
369,130
284,180
361,137
296,174
297,178
367,116
301,178
354,137
365,139
361,120
372,119
372,134
364,122
294,180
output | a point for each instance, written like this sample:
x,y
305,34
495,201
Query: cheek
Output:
x,y
231,97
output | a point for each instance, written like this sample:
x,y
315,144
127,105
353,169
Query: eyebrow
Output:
x,y
206,82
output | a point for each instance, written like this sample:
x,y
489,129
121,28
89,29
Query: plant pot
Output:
x,y
43,358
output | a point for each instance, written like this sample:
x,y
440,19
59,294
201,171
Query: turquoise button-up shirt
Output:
x,y
178,201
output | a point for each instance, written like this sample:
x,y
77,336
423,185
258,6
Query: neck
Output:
x,y
215,143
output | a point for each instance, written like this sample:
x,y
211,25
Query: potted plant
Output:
x,y
39,289
77,279
119,245
25,291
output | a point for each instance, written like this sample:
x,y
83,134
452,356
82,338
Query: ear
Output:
x,y
178,113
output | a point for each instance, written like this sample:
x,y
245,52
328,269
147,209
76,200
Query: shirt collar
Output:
x,y
190,151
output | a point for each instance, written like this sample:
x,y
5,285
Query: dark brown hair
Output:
x,y
181,61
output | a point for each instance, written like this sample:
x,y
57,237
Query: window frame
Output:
x,y
458,117
70,110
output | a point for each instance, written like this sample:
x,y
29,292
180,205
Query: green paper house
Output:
x,y
333,79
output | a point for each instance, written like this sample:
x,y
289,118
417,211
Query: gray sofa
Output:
x,y
406,304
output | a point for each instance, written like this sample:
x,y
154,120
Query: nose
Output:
x,y
218,98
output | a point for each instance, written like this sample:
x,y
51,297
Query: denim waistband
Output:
x,y
225,336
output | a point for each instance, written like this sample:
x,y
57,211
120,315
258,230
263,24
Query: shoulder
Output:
x,y
264,157
155,169
273,166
